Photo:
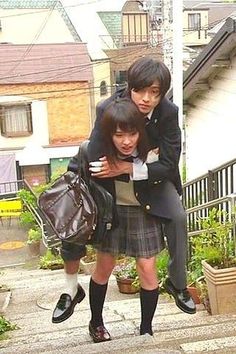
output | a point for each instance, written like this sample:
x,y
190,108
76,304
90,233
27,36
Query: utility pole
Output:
x,y
167,32
178,65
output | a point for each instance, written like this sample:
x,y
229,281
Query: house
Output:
x,y
117,32
199,17
42,22
45,107
33,22
209,91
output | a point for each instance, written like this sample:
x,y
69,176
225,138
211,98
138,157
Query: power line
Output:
x,y
28,49
59,6
77,68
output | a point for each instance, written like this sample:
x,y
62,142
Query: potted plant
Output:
x,y
88,262
192,286
217,248
195,273
51,261
126,276
33,241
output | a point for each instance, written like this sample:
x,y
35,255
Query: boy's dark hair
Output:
x,y
123,113
144,71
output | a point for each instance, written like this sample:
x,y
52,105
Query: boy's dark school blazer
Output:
x,y
163,132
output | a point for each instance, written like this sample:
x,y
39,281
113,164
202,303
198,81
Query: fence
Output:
x,y
214,185
9,190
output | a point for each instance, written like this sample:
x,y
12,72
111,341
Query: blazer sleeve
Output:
x,y
170,147
96,147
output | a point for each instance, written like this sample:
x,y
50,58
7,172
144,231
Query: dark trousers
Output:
x,y
175,231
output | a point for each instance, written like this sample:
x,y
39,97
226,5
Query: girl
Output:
x,y
137,234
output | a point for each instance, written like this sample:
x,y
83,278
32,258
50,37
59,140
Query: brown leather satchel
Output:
x,y
77,208
69,208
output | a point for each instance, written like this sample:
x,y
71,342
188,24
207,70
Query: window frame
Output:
x,y
135,28
103,88
197,26
3,124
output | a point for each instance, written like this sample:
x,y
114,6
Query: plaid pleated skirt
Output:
x,y
138,234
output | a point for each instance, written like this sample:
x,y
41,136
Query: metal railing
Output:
x,y
9,189
49,238
197,213
215,184
217,188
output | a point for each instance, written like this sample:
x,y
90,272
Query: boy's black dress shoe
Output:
x,y
65,305
99,334
182,297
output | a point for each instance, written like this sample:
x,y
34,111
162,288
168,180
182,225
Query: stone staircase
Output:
x,y
35,292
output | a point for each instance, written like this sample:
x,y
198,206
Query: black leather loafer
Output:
x,y
99,334
182,298
65,305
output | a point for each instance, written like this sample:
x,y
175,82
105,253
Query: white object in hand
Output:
x,y
95,169
96,164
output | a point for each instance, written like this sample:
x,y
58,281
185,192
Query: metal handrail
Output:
x,y
212,203
49,240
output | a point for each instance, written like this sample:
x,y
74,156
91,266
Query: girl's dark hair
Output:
x,y
123,113
144,71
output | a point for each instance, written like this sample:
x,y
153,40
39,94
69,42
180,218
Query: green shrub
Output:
x,y
50,260
215,243
34,235
27,220
6,325
27,197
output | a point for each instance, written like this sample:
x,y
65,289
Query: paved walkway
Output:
x,y
35,292
13,246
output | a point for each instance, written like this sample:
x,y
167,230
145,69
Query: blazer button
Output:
x,y
156,182
148,207
136,194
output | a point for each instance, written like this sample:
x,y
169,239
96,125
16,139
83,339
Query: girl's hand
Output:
x,y
110,170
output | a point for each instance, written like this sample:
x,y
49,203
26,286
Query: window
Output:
x,y
103,88
121,77
16,120
194,21
135,28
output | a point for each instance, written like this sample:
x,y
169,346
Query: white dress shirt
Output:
x,y
140,170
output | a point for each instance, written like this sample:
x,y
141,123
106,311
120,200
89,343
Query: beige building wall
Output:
x,y
22,26
101,72
211,125
195,37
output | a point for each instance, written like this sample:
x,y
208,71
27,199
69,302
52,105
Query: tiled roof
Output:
x,y
84,17
64,62
112,22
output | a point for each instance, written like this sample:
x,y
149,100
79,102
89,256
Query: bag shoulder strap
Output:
x,y
83,161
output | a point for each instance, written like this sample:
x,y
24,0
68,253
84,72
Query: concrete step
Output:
x,y
35,293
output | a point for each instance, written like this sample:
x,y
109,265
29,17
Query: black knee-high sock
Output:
x,y
97,294
148,301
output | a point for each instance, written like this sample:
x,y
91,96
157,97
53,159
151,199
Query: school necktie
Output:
x,y
129,159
